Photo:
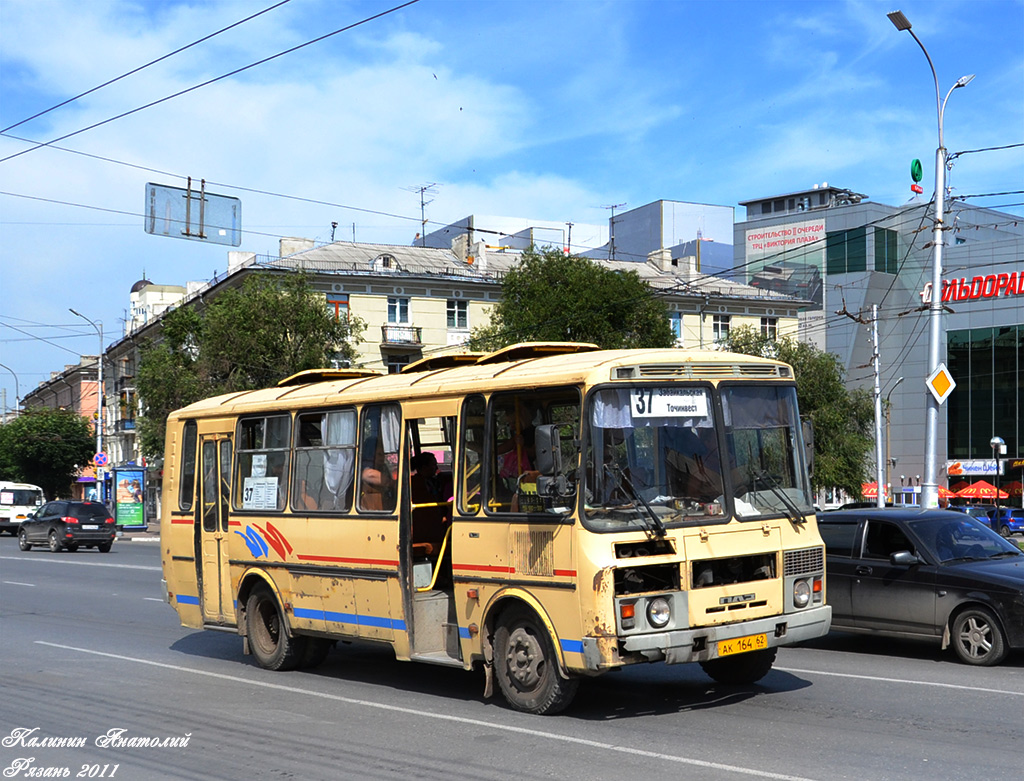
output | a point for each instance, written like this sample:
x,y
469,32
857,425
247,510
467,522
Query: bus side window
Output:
x,y
325,460
472,455
187,474
378,457
262,477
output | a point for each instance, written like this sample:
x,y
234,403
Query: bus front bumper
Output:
x,y
700,644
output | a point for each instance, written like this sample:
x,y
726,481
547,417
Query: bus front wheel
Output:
x,y
269,640
741,669
526,666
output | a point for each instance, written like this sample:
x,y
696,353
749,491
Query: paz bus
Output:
x,y
17,500
547,512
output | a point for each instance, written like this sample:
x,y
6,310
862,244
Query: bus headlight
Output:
x,y
659,612
801,593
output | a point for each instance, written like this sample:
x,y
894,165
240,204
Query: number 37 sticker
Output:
x,y
668,402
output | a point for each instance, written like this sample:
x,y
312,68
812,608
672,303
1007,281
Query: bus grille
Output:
x,y
800,562
712,370
532,552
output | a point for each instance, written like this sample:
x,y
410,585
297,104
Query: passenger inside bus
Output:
x,y
377,486
431,499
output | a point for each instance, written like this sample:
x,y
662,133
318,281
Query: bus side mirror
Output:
x,y
808,432
548,449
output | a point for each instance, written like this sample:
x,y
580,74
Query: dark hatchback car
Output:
x,y
931,574
68,525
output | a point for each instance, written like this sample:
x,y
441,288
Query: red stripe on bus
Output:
x,y
565,573
182,521
485,568
234,523
346,560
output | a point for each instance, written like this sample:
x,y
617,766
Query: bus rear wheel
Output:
x,y
741,669
526,665
269,639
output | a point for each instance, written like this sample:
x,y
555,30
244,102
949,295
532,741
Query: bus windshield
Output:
x,y
655,455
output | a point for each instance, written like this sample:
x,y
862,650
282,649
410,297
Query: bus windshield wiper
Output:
x,y
791,509
655,526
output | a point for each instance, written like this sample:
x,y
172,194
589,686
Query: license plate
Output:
x,y
739,645
90,527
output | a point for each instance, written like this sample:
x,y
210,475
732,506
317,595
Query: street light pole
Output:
x,y
99,398
930,488
889,461
998,448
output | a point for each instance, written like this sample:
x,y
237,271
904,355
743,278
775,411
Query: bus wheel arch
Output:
x,y
521,646
268,635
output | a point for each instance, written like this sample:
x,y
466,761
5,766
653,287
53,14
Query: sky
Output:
x,y
551,110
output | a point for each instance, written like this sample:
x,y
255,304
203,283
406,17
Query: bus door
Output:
x,y
215,594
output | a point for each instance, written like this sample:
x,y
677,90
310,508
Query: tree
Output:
x,y
46,447
842,418
249,337
551,297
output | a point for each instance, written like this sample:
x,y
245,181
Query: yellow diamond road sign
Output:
x,y
941,383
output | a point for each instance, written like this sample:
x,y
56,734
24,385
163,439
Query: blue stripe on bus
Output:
x,y
464,633
184,600
349,618
572,646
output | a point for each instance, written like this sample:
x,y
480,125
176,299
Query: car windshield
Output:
x,y
953,538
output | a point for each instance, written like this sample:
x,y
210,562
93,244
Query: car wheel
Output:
x,y
1005,531
104,547
23,542
54,541
741,669
269,639
978,639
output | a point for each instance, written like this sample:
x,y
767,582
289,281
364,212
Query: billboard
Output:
x,y
130,497
788,259
193,214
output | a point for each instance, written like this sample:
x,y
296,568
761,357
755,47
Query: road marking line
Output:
x,y
442,717
18,583
153,599
899,680
78,563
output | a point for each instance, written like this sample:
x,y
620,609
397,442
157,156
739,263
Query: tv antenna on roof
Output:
x,y
423,190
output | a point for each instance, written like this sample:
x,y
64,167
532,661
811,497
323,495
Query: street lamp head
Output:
x,y
963,81
996,442
900,22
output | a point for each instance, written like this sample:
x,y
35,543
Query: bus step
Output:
x,y
437,657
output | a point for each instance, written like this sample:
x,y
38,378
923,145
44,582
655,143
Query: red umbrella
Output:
x,y
1015,488
959,486
945,493
981,490
869,490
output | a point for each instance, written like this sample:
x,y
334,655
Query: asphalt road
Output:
x,y
90,651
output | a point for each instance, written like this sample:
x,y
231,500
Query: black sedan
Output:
x,y
932,574
64,524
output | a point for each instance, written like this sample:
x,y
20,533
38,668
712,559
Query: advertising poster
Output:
x,y
129,497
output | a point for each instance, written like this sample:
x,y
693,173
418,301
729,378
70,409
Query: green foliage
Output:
x,y
550,297
842,419
46,447
246,338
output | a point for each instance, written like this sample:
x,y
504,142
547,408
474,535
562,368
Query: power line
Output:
x,y
211,81
143,67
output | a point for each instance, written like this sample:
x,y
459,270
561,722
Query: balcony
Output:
x,y
401,335
124,425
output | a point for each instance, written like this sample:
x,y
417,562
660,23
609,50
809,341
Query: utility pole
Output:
x,y
99,399
879,463
568,243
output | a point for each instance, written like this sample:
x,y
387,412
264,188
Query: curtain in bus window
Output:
x,y
379,458
340,460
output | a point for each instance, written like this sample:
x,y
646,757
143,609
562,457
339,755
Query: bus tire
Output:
x,y
741,669
269,639
315,652
526,666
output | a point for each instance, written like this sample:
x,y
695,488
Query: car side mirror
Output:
x,y
904,558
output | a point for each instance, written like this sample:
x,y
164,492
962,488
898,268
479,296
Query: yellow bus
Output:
x,y
547,512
